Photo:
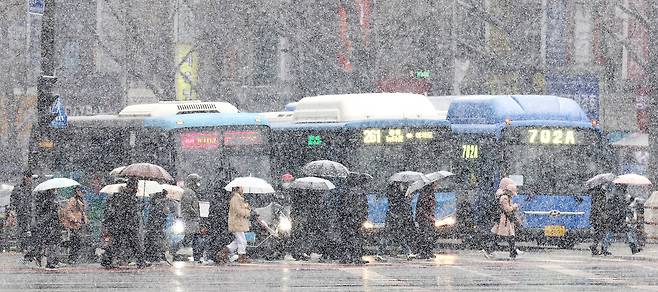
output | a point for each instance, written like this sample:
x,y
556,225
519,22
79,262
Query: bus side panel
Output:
x,y
446,205
377,207
546,203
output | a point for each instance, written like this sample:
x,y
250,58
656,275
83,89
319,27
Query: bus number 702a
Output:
x,y
555,136
470,151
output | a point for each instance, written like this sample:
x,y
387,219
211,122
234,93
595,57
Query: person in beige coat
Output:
x,y
238,223
506,226
73,216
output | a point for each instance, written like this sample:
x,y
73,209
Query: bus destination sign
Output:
x,y
374,136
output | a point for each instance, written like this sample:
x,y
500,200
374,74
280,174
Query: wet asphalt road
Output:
x,y
535,270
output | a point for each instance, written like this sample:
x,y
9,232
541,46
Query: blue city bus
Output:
x,y
212,139
546,144
346,129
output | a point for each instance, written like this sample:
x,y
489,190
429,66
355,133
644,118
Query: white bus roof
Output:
x,y
363,106
441,104
278,117
169,108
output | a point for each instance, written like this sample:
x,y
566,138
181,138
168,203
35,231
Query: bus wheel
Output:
x,y
567,243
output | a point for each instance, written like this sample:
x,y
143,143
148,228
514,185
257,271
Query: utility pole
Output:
x,y
40,136
652,72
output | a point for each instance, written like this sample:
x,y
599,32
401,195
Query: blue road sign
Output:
x,y
36,6
61,121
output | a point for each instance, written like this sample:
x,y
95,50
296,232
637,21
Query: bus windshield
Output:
x,y
552,160
382,161
209,152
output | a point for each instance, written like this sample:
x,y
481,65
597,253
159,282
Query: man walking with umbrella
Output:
x,y
353,211
121,221
192,216
425,217
47,230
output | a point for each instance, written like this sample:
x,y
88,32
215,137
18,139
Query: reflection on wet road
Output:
x,y
536,270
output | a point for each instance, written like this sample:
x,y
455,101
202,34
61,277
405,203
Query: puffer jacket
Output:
x,y
505,226
73,215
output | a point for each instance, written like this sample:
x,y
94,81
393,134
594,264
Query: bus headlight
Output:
x,y
178,227
284,224
447,221
368,225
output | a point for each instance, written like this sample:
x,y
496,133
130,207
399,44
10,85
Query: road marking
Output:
x,y
370,277
485,275
582,274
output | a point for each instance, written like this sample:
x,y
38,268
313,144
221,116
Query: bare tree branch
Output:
x,y
632,11
632,52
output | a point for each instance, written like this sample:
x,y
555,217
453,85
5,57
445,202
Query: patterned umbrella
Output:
x,y
146,171
325,168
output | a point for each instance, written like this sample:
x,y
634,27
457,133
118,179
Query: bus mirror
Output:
x,y
517,179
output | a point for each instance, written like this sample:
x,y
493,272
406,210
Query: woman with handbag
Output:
x,y
507,222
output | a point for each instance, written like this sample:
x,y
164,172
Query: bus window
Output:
x,y
552,161
380,161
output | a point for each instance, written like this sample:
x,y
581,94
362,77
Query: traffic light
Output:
x,y
45,100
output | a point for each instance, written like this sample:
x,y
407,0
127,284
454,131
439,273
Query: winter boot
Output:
x,y
222,256
634,248
244,259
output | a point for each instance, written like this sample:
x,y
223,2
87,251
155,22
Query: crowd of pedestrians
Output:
x,y
324,222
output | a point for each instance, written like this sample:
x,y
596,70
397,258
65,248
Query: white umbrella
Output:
x,y
312,183
145,188
415,186
437,175
326,168
408,176
55,183
5,194
251,185
6,189
632,179
173,192
598,180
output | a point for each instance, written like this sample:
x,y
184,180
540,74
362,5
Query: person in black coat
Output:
x,y
217,221
400,227
618,211
121,223
598,219
155,236
353,212
308,226
46,233
21,201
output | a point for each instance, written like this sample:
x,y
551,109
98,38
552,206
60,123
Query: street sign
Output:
x,y
420,74
61,121
36,6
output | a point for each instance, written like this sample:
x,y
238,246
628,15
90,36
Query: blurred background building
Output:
x,y
260,55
